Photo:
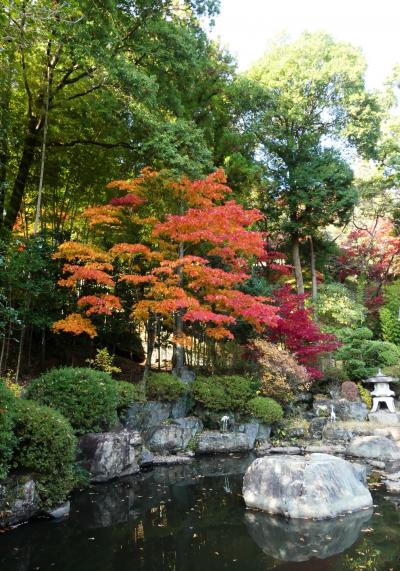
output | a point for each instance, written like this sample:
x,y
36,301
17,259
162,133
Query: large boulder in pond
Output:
x,y
109,455
374,448
214,442
318,486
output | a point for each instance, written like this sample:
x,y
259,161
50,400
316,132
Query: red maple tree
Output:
x,y
185,271
298,332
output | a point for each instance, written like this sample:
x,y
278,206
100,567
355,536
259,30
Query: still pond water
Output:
x,y
192,518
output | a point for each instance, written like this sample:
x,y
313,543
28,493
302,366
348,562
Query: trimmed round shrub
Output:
x,y
223,392
7,413
349,391
86,397
46,447
266,409
164,387
128,393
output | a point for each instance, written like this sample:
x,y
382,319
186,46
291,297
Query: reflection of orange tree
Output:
x,y
365,558
196,249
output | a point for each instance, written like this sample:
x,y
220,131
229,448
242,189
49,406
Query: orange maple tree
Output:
x,y
196,250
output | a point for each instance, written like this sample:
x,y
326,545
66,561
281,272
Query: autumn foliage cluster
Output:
x,y
197,250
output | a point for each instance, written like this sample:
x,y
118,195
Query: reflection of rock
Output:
x,y
107,505
317,486
300,540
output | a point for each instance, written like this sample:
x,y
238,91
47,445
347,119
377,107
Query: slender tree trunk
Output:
x,y
297,265
313,270
20,352
43,347
43,157
151,338
179,349
28,152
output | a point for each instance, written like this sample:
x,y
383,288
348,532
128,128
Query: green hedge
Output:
x,y
128,393
164,387
223,392
86,397
7,413
266,409
46,447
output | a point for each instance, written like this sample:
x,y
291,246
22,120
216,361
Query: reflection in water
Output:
x,y
193,518
300,540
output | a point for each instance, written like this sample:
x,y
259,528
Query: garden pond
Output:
x,y
192,517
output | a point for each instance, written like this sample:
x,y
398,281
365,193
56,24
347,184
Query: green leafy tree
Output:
x,y
315,103
86,78
390,312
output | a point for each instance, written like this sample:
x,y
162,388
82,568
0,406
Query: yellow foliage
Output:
x,y
75,324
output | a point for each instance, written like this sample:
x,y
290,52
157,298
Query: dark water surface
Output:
x,y
193,518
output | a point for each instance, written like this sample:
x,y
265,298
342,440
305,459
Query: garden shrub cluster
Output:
x,y
349,391
46,448
86,397
223,392
365,395
265,409
361,355
127,393
281,376
164,387
7,414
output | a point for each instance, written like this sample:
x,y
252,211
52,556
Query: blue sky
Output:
x,y
246,26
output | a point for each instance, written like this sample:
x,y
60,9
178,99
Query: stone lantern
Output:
x,y
382,394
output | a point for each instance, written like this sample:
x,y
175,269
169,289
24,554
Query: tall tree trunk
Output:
x,y
151,331
28,152
297,265
313,270
20,351
179,357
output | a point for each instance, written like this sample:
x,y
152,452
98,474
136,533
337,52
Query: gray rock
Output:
x,y
214,442
292,450
301,540
60,511
170,438
109,455
392,432
190,422
263,449
392,486
264,431
173,437
146,458
384,417
344,432
184,374
19,501
323,449
171,460
350,410
318,486
142,416
374,447
251,430
316,427
180,408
